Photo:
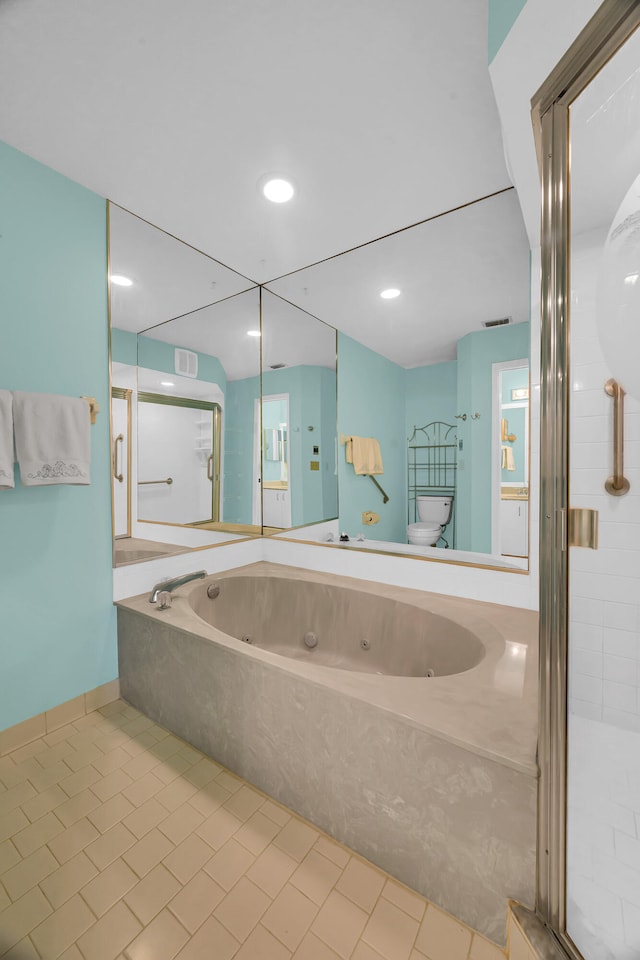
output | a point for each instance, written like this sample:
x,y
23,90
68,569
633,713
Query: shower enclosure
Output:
x,y
587,115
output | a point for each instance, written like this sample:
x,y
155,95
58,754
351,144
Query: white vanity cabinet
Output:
x,y
514,528
276,508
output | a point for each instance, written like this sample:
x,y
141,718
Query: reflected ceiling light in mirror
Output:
x,y
390,294
253,333
167,383
277,189
121,281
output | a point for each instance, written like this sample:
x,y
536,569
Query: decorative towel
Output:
x,y
508,462
6,441
364,453
53,438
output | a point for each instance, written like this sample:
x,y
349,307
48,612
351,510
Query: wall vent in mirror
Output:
x,y
430,362
186,363
487,324
180,353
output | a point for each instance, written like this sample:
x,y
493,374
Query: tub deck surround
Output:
x,y
432,779
491,708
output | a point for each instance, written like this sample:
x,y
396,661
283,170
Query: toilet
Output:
x,y
434,513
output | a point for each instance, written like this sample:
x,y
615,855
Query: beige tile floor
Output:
x,y
119,840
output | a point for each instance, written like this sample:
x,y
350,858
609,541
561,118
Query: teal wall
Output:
x,y
124,347
502,16
366,410
157,355
58,636
431,394
312,403
476,354
238,449
328,443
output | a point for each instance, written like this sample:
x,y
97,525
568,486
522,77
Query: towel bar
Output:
x,y
146,483
94,407
385,498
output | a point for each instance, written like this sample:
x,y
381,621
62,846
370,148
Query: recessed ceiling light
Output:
x,y
121,281
390,293
277,189
253,333
167,383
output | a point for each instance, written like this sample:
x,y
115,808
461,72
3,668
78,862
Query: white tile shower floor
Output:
x,y
119,840
603,840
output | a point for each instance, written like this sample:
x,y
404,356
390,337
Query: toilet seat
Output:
x,y
424,534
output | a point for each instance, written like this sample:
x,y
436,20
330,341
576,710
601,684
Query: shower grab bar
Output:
x,y
146,483
617,485
117,476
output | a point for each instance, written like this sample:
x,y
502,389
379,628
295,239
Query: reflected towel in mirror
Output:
x,y
6,440
365,455
508,461
53,438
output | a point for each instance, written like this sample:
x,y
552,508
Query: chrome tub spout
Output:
x,y
174,582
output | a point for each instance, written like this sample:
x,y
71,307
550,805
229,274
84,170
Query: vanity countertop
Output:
x,y
514,493
275,485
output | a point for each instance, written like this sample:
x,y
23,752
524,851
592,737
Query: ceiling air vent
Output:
x,y
497,323
186,363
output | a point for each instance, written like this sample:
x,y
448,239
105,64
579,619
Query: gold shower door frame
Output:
x,y
606,32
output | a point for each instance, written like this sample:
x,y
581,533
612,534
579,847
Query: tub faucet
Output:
x,y
174,582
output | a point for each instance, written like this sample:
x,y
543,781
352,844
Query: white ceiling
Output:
x,y
453,272
383,114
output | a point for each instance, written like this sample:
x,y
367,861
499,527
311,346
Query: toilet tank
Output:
x,y
436,509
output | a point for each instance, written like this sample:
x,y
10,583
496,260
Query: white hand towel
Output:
x,y
6,441
53,438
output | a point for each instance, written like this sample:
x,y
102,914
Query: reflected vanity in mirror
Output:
x,y
224,412
424,316
204,439
185,350
299,475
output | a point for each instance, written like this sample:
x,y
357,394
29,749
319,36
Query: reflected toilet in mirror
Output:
x,y
423,357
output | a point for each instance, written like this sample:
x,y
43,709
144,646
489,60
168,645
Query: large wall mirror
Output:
x,y
223,401
225,422
433,365
185,360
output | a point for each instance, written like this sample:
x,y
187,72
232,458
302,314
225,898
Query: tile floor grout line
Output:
x,y
108,735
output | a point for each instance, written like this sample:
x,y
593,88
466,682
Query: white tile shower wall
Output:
x,y
604,659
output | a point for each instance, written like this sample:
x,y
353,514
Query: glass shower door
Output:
x,y
178,459
603,746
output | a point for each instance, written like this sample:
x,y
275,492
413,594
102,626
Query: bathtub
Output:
x,y
402,723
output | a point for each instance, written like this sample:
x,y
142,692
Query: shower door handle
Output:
x,y
117,476
210,467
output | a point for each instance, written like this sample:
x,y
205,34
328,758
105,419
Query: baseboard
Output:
x,y
45,723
